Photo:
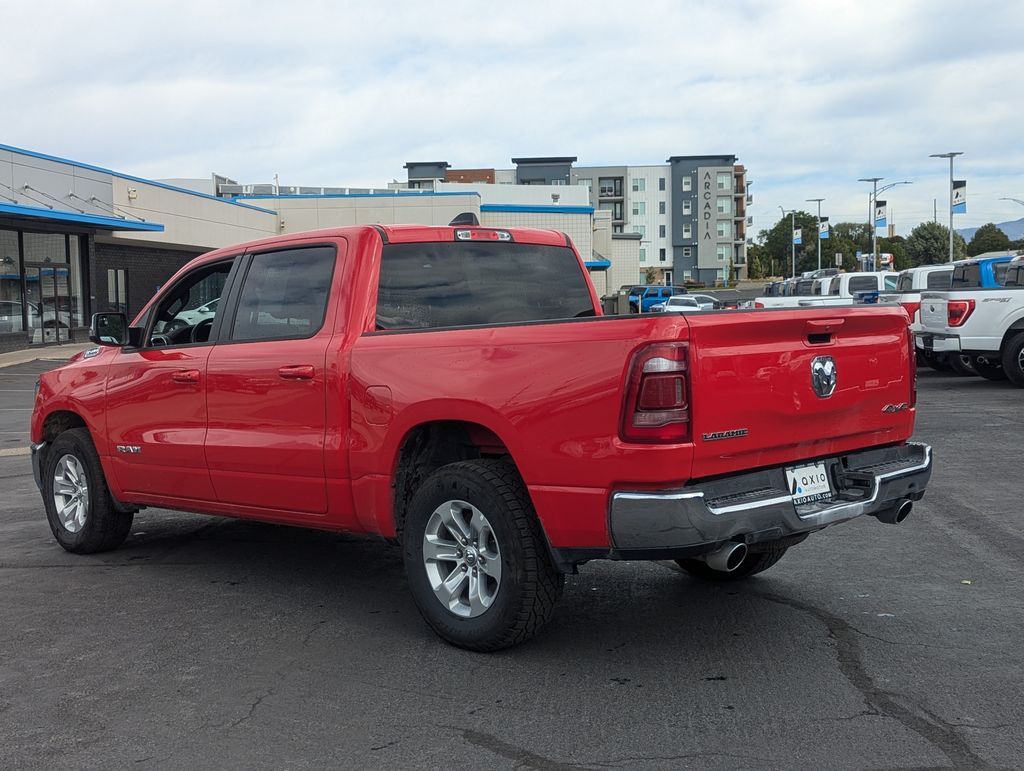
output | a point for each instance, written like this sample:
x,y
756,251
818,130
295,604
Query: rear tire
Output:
x,y
83,516
504,585
990,369
937,361
752,564
1013,359
962,365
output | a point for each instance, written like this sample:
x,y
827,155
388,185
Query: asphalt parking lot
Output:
x,y
211,643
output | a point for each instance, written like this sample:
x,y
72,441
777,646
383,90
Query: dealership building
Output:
x,y
76,239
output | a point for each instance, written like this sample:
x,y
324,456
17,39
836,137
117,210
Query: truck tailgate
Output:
x,y
933,312
753,399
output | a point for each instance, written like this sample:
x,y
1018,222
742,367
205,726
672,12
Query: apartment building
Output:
x,y
690,214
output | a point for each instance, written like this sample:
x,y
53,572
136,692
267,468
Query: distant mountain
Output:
x,y
1013,229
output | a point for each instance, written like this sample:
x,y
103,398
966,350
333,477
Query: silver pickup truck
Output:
x,y
985,324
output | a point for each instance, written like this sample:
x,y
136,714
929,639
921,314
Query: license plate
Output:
x,y
808,483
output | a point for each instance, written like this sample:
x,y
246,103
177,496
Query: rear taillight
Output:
x,y
958,311
657,402
912,353
911,309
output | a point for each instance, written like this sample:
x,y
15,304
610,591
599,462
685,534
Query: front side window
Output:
x,y
905,282
284,294
1000,270
466,283
186,313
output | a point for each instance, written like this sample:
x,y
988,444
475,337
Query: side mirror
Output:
x,y
109,329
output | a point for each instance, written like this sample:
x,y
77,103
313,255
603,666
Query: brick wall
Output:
x,y
148,268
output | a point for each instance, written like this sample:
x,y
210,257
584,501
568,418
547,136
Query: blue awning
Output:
x,y
93,220
598,264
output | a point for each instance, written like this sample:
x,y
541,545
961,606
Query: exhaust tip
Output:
x,y
727,558
903,511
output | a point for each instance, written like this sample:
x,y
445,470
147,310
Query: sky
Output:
x,y
809,95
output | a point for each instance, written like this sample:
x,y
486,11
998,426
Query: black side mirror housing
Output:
x,y
109,329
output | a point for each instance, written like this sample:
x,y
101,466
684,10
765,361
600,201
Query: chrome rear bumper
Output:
x,y
757,506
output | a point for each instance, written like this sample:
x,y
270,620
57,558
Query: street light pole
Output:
x,y
872,202
871,215
792,235
818,200
951,156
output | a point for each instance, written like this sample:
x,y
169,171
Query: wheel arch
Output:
x,y
431,444
1015,328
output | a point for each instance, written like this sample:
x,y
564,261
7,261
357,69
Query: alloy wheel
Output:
x,y
462,558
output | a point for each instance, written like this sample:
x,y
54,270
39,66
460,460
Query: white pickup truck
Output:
x,y
985,324
909,285
843,289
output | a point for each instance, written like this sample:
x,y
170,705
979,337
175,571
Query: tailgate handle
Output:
x,y
820,331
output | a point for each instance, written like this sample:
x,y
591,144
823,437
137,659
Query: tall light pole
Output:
x,y
792,235
951,156
872,202
818,201
871,215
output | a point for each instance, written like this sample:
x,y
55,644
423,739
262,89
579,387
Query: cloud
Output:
x,y
809,95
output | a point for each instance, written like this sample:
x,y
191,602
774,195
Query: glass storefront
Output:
x,y
42,293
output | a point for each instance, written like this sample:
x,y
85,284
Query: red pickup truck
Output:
x,y
458,391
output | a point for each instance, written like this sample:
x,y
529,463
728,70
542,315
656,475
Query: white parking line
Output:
x,y
11,452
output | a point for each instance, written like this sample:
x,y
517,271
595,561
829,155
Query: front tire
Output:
x,y
83,516
990,369
1013,359
475,557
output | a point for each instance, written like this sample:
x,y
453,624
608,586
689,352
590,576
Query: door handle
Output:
x,y
185,376
297,372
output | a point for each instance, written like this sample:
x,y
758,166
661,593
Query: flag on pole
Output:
x,y
880,215
959,196
797,240
823,228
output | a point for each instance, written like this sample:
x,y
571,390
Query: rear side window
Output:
x,y
464,283
1000,270
1015,275
905,283
863,284
966,276
939,279
284,294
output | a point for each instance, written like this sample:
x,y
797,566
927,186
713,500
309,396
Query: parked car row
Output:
x,y
979,318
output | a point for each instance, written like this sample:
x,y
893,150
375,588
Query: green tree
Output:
x,y
988,238
651,275
928,244
777,243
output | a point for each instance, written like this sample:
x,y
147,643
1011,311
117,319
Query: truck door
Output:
x,y
156,394
267,397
